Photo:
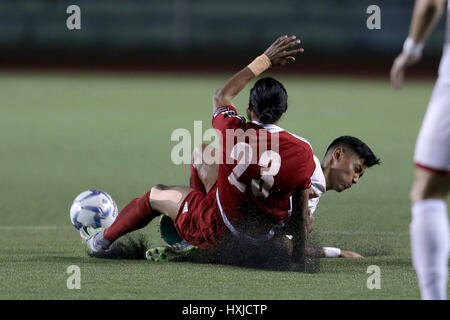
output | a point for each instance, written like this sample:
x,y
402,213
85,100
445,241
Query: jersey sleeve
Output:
x,y
227,118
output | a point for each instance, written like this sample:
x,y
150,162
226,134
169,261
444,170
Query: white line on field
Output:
x,y
343,232
354,232
34,227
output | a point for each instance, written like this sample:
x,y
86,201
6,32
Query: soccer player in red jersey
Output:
x,y
343,165
263,178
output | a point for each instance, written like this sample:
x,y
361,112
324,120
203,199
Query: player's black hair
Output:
x,y
268,99
357,146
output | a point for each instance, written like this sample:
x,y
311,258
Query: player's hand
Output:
x,y
350,254
280,52
401,63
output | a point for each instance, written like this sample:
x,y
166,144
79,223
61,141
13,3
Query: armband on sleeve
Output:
x,y
228,110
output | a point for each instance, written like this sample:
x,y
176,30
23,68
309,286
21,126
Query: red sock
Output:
x,y
195,182
136,215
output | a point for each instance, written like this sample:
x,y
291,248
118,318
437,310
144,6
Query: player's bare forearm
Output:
x,y
425,17
278,54
314,252
225,95
297,224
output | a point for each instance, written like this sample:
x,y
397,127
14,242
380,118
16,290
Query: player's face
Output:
x,y
347,168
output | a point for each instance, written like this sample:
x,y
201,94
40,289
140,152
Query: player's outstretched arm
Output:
x,y
330,252
425,17
278,54
323,252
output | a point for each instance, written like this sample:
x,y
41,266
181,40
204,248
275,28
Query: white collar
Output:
x,y
272,128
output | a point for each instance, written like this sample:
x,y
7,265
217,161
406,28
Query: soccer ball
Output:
x,y
93,208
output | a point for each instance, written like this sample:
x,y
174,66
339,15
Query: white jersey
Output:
x,y
444,67
432,150
433,143
318,183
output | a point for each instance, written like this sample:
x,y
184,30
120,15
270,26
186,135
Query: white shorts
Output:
x,y
433,143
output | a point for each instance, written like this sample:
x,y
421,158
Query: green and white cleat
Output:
x,y
173,252
87,236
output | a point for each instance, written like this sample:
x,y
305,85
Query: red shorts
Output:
x,y
199,221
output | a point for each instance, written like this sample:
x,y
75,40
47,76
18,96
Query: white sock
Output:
x,y
430,245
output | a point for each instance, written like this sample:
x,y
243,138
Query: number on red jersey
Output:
x,y
270,161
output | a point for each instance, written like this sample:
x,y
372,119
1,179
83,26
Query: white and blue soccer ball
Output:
x,y
93,208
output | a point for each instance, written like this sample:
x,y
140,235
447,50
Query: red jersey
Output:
x,y
261,166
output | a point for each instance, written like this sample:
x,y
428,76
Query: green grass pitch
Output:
x,y
62,133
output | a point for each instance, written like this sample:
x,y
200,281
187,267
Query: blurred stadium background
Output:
x,y
197,34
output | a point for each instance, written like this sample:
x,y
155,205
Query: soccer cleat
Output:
x,y
173,252
87,236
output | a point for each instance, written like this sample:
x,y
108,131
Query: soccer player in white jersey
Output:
x,y
344,163
430,237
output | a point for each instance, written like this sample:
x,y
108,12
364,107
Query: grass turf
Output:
x,y
63,133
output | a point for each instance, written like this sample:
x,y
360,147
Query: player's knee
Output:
x,y
415,195
160,187
419,192
423,191
162,192
155,194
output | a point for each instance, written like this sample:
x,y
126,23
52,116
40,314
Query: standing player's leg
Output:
x,y
429,228
430,234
